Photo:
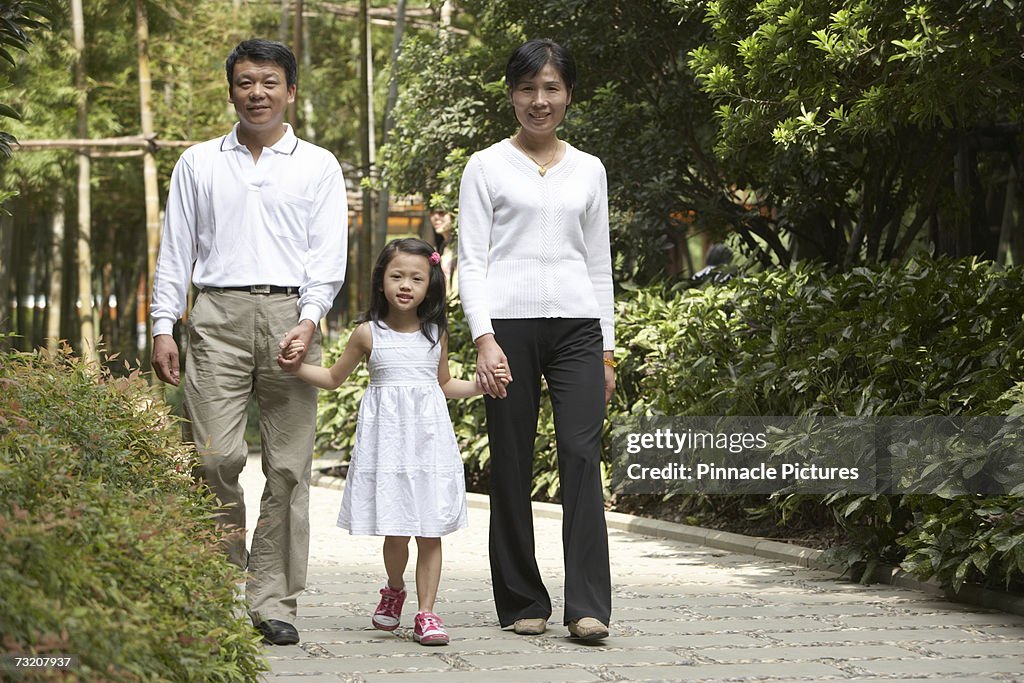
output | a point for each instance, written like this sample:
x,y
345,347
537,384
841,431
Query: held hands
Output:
x,y
490,361
296,349
295,345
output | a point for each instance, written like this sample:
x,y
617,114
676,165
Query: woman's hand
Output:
x,y
609,378
492,369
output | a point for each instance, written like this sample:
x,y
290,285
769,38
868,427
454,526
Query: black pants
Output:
x,y
567,352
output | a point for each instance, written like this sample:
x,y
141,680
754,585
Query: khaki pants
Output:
x,y
233,343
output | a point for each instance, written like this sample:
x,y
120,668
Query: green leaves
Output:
x,y
111,551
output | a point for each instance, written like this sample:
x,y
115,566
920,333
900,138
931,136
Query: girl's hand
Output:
x,y
501,374
489,357
295,349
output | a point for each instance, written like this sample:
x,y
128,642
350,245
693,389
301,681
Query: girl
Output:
x,y
535,273
405,476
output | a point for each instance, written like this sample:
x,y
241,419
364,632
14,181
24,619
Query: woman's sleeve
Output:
x,y
599,257
475,218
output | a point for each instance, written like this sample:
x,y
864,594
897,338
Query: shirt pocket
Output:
x,y
289,215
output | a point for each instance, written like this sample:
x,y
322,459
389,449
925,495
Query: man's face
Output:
x,y
261,95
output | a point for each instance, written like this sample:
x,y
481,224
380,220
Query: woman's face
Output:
x,y
540,101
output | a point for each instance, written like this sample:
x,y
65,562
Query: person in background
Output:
x,y
441,221
257,221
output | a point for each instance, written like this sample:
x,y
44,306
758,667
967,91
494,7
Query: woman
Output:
x,y
536,284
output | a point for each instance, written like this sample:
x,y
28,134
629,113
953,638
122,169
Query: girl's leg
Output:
x,y
396,558
389,610
428,630
428,571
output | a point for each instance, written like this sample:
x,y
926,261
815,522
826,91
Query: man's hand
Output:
x,y
165,359
291,355
492,371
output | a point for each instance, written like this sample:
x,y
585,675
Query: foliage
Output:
x,y
111,552
637,106
938,337
16,19
844,119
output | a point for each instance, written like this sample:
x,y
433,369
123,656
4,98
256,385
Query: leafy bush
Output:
x,y
110,551
936,337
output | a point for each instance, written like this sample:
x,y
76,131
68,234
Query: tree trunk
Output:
x,y
1006,228
22,324
366,246
6,251
384,203
88,328
149,170
55,295
297,50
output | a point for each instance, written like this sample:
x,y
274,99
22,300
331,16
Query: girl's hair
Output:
x,y
531,56
432,310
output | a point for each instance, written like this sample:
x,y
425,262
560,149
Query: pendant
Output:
x,y
542,170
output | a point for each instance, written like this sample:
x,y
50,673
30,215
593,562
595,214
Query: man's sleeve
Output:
x,y
177,250
328,246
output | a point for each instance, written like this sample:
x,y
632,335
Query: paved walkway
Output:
x,y
681,612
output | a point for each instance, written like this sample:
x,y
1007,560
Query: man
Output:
x,y
257,220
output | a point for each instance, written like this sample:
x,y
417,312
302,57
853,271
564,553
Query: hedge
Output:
x,y
110,552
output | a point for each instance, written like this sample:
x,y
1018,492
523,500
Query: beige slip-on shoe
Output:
x,y
588,628
530,627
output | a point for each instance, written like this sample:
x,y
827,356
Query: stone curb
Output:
x,y
747,545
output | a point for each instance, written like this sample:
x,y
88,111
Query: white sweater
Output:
x,y
533,246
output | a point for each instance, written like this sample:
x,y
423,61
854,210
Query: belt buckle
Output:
x,y
259,289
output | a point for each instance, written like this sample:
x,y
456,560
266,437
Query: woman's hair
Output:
x,y
432,310
531,56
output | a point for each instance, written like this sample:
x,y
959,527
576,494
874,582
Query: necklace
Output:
x,y
541,168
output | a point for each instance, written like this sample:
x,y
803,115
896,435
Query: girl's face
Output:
x,y
540,101
405,281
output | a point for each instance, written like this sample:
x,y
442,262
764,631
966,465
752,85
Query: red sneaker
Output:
x,y
389,609
429,629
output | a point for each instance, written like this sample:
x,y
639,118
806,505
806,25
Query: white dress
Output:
x,y
405,476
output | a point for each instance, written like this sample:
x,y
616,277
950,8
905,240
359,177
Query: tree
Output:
x,y
853,125
637,106
16,20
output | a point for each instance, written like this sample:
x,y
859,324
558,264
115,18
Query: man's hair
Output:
x,y
259,50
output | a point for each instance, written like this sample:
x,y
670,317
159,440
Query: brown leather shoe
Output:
x,y
588,628
530,627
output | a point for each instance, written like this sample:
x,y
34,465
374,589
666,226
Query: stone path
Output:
x,y
681,612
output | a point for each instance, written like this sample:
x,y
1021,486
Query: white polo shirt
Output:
x,y
232,222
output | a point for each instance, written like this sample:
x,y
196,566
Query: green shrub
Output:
x,y
110,551
933,337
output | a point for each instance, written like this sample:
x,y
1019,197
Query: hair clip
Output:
x,y
435,258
